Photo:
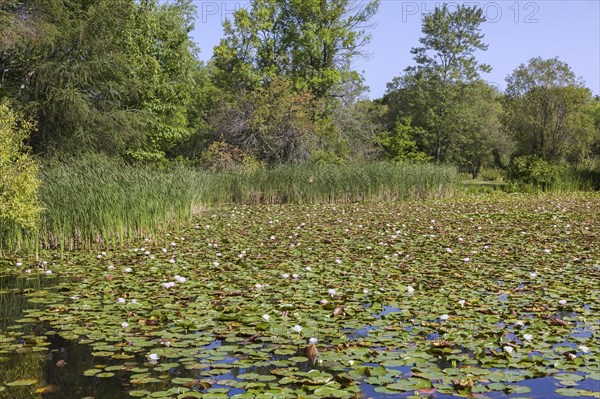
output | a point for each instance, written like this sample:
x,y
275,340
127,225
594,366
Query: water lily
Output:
x,y
508,349
171,260
128,270
533,274
467,260
266,317
124,324
449,250
546,250
332,291
164,249
285,275
410,289
562,302
444,317
461,302
313,340
583,348
259,286
48,271
180,279
295,276
365,291
297,328
308,268
527,337
120,300
153,356
19,264
27,271
168,285
215,264
338,261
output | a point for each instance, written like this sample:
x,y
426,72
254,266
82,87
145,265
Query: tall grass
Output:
x,y
99,202
333,184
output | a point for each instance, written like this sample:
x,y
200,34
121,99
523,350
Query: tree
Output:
x,y
547,111
310,42
273,123
399,145
478,137
429,91
19,208
106,75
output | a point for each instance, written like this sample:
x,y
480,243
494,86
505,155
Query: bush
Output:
x,y
19,209
533,171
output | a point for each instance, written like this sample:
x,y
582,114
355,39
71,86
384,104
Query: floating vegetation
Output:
x,y
487,298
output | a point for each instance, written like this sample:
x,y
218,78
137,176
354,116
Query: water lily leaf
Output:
x,y
21,383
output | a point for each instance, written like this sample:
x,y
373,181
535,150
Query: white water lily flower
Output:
x,y
410,289
285,275
338,261
351,362
99,256
168,285
449,250
266,317
508,349
164,249
180,279
313,340
546,250
27,271
19,264
461,302
583,348
308,268
171,260
48,271
153,356
533,274
467,260
128,270
527,337
215,264
365,291
124,324
332,291
297,328
295,276
562,302
173,244
259,286
120,300
444,317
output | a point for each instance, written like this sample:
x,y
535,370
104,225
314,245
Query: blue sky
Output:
x,y
515,32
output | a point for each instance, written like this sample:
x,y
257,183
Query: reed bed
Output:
x,y
99,202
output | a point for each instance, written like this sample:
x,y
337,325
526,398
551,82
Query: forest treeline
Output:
x,y
123,78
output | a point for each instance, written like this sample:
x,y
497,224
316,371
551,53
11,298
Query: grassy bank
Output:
x,y
99,202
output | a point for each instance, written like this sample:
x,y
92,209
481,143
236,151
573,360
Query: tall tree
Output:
x,y
547,111
106,75
429,91
311,42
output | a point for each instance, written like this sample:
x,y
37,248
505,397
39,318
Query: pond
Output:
x,y
488,299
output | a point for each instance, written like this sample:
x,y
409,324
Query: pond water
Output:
x,y
58,366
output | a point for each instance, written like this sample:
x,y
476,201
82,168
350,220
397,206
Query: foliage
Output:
x,y
310,42
430,92
547,111
275,123
534,171
400,146
19,184
109,75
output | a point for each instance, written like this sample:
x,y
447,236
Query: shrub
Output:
x,y
533,171
19,209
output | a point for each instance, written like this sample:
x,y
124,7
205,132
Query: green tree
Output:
x,y
310,42
399,145
19,208
106,75
429,92
547,111
478,139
